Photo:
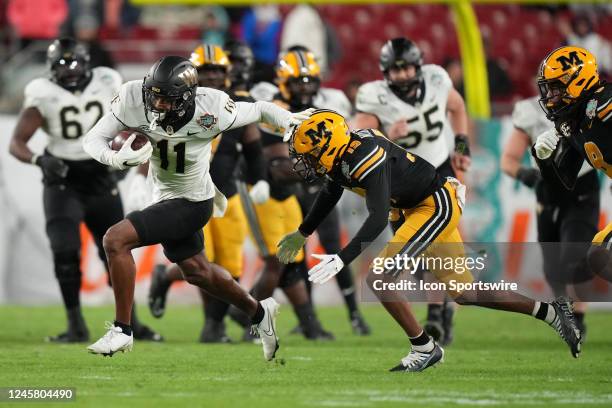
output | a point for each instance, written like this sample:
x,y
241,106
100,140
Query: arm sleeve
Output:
x,y
325,201
376,185
96,141
256,164
267,112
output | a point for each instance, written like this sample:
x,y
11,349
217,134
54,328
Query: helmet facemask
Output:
x,y
165,107
405,87
554,98
302,90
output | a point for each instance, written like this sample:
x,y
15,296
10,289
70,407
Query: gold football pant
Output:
x,y
604,237
224,237
275,220
430,229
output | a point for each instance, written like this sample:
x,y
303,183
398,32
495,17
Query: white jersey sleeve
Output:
x,y
529,117
70,115
371,98
263,91
334,99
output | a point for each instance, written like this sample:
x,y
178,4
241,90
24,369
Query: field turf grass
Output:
x,y
497,359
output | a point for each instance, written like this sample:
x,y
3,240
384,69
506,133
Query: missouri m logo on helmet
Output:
x,y
567,61
318,143
567,76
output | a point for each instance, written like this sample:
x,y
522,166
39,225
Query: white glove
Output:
x,y
128,157
329,266
139,195
260,192
546,144
295,120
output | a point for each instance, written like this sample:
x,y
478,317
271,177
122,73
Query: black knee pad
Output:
x,y
291,275
67,266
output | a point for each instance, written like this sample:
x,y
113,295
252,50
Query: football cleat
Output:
x,y
214,332
69,336
359,325
142,332
267,328
417,361
158,291
565,325
113,341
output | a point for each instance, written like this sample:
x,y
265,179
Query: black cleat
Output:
x,y
297,330
145,333
417,361
435,329
70,336
158,291
214,332
360,327
314,331
448,312
565,325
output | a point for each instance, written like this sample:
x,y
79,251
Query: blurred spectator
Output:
x,y
581,34
500,85
215,26
455,72
36,19
302,19
261,28
86,29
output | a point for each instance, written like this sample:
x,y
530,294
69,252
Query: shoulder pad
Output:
x,y
601,104
362,157
369,96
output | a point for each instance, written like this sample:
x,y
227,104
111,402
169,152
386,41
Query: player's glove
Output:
x,y
138,197
128,157
53,169
528,176
329,266
546,144
290,246
260,192
295,120
462,145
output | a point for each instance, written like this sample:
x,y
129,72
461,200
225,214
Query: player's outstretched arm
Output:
x,y
272,114
96,144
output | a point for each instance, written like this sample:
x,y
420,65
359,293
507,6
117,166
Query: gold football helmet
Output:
x,y
213,66
298,76
318,143
565,76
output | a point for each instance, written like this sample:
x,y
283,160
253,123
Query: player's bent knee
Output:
x,y
197,271
67,267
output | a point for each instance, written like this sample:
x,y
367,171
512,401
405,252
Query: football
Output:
x,y
124,135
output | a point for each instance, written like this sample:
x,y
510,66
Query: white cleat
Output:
x,y
267,328
113,341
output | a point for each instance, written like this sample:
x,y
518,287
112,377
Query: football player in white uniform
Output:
x,y
416,106
180,120
567,217
76,188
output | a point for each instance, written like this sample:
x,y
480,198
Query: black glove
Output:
x,y
528,176
462,145
53,169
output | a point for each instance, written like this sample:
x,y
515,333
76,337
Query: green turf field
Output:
x,y
497,359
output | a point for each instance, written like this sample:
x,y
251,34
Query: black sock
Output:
x,y
216,309
308,319
75,319
542,311
259,315
420,340
125,328
345,282
134,322
434,311
579,317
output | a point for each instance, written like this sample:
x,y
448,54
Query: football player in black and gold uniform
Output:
x,y
386,175
580,104
225,236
